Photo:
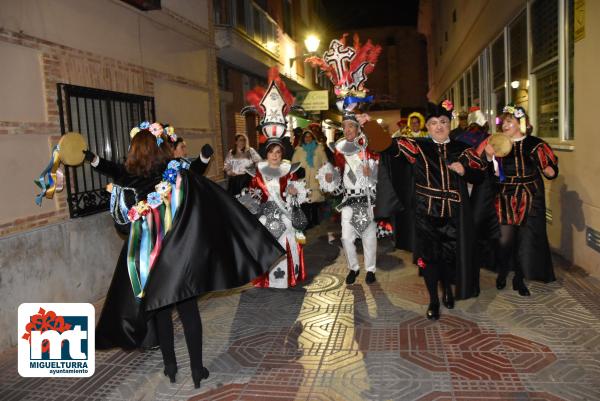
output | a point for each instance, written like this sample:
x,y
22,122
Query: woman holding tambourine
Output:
x,y
520,200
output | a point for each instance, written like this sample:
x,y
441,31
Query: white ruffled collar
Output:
x,y
346,147
284,168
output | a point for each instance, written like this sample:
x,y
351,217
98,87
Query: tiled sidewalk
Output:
x,y
329,341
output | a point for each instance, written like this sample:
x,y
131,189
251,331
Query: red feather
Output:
x,y
254,97
319,62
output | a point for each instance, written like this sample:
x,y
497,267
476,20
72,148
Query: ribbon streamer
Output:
x,y
355,99
47,179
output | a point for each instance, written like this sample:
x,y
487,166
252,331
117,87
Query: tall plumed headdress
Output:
x,y
519,113
272,105
348,67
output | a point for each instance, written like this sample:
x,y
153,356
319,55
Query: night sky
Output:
x,y
354,14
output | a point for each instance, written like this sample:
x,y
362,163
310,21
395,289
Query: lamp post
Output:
x,y
312,44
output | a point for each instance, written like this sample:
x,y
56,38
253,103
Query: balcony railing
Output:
x,y
247,17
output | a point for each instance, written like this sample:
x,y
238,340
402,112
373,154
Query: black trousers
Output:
x,y
311,210
436,238
505,252
192,329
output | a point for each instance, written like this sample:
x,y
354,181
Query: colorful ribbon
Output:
x,y
47,179
356,99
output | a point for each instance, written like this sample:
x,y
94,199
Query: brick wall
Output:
x,y
62,64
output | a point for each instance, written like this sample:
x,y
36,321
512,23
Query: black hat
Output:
x,y
445,108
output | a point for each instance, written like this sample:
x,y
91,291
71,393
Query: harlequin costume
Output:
x,y
187,237
267,194
521,208
348,67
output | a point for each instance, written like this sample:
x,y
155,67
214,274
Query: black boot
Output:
x,y
448,297
198,375
351,277
501,281
171,371
433,312
519,285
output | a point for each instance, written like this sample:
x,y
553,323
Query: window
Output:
x,y
498,78
468,90
475,78
519,84
461,91
287,18
544,66
104,118
240,15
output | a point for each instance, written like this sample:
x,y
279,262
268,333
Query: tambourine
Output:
x,y
501,144
378,139
71,147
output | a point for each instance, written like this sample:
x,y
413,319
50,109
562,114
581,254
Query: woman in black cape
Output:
x,y
213,243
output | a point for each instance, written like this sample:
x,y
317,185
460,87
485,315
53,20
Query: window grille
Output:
x,y
104,118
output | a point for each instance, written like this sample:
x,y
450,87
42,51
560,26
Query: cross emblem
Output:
x,y
273,105
339,57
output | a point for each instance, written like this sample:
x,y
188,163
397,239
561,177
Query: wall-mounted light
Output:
x,y
379,120
312,45
515,84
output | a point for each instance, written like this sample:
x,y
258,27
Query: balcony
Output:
x,y
245,35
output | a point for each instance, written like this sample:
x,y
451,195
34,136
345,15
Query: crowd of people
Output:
x,y
456,199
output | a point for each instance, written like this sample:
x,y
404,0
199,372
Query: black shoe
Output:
x,y
448,298
351,277
370,279
433,312
198,375
171,371
519,285
500,282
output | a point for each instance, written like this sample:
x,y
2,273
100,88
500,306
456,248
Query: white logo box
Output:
x,y
76,363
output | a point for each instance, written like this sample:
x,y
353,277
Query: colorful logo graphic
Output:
x,y
56,340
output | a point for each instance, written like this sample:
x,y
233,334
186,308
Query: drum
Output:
x,y
71,147
501,143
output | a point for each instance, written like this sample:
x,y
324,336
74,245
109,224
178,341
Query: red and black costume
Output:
x,y
521,210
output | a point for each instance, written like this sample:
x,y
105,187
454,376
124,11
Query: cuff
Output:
x,y
96,161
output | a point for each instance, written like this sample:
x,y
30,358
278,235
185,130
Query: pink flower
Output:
x,y
421,263
133,214
447,104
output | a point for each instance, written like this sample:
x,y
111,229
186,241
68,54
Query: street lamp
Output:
x,y
312,44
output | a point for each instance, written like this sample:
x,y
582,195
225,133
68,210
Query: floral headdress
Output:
x,y
272,105
347,67
155,129
519,113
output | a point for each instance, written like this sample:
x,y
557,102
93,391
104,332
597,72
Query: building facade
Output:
x,y
539,54
98,67
252,36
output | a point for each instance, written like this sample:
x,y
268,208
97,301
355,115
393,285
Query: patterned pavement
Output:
x,y
328,341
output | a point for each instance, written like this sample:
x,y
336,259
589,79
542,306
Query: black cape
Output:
x,y
403,176
214,244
